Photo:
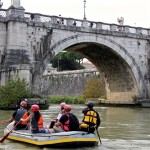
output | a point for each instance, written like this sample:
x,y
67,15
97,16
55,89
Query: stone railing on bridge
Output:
x,y
77,23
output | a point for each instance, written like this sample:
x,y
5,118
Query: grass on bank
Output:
x,y
66,99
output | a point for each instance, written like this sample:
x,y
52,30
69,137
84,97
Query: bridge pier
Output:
x,y
15,57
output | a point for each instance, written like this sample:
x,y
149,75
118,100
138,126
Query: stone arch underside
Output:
x,y
120,72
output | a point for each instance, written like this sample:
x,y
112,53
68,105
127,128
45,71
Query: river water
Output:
x,y
121,128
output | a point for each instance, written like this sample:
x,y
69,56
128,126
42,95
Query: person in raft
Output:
x,y
67,122
36,120
91,119
61,112
18,114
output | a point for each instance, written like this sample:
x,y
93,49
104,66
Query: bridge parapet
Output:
x,y
89,24
46,19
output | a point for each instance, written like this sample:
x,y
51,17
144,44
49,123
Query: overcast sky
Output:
x,y
135,12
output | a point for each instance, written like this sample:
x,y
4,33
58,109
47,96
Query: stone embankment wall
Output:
x,y
70,83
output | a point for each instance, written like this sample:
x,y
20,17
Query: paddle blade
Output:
x,y
5,137
3,122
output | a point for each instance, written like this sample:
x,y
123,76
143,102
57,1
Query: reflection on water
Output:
x,y
121,128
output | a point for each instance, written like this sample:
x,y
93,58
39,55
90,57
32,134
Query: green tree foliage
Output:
x,y
68,61
93,89
13,91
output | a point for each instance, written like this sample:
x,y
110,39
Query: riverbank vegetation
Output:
x,y
66,99
12,92
16,90
94,89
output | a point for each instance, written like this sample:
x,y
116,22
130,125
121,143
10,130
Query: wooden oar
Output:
x,y
3,122
98,136
6,135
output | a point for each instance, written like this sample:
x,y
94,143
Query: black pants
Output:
x,y
52,124
21,127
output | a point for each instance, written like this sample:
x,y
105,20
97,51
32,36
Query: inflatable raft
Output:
x,y
62,139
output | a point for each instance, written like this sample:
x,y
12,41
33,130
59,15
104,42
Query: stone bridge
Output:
x,y
120,53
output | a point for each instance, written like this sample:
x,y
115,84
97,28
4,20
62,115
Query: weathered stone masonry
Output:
x,y
120,53
68,83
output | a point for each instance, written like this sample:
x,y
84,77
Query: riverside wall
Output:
x,y
67,83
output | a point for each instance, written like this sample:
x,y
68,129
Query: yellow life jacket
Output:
x,y
90,117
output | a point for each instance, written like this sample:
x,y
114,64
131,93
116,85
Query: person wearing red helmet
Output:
x,y
36,120
66,121
18,114
61,112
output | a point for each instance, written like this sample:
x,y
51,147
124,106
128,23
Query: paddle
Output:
x,y
6,135
3,122
98,136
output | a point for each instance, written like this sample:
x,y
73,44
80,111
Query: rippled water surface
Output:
x,y
121,128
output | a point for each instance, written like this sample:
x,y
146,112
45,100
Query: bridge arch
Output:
x,y
122,76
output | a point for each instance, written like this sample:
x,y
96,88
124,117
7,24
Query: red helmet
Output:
x,y
67,108
23,104
35,108
62,105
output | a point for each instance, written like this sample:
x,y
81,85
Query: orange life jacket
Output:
x,y
35,124
40,122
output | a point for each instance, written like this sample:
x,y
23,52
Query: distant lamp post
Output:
x,y
84,9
